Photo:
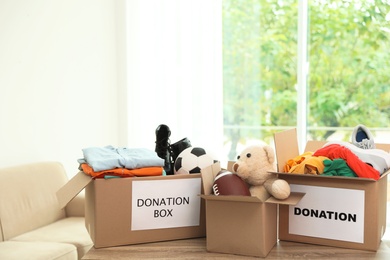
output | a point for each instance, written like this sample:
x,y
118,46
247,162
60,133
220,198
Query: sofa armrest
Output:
x,y
76,207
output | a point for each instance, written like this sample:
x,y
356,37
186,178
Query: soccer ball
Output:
x,y
192,160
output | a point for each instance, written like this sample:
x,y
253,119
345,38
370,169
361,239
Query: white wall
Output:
x,y
61,79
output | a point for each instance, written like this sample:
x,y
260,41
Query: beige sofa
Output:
x,y
32,225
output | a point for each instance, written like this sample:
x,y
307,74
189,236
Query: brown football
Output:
x,y
228,183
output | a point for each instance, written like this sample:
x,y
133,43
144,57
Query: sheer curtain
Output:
x,y
174,71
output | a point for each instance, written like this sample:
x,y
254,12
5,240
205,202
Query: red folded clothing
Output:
x,y
335,151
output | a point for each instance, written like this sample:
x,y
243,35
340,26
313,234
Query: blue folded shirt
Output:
x,y
109,157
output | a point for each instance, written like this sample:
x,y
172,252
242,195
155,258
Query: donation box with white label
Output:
x,y
144,209
335,211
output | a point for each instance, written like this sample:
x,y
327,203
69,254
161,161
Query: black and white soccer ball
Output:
x,y
192,160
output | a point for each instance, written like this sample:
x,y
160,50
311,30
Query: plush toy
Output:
x,y
253,165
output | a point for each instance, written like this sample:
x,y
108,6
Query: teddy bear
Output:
x,y
254,165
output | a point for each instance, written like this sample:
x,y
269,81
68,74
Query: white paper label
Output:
x,y
331,213
165,203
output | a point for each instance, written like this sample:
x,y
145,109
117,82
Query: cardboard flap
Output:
x,y
293,199
230,166
208,175
384,147
73,187
286,147
312,146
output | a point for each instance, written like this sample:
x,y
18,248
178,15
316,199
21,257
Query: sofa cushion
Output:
x,y
28,197
69,230
14,250
76,207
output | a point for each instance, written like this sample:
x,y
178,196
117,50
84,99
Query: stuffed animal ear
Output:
x,y
270,153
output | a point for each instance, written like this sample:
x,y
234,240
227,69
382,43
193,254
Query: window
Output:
x,y
317,65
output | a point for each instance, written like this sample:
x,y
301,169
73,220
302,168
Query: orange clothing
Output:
x,y
295,161
306,164
123,172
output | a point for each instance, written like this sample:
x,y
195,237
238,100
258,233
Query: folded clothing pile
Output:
x,y
109,161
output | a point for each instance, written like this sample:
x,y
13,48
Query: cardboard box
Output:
x,y
336,211
241,225
123,211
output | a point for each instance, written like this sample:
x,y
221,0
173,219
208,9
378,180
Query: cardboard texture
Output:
x,y
241,225
336,211
109,216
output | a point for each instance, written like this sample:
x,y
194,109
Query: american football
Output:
x,y
228,183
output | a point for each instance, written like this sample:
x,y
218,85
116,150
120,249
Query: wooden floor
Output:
x,y
196,249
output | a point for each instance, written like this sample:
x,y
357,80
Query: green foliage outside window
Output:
x,y
348,52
